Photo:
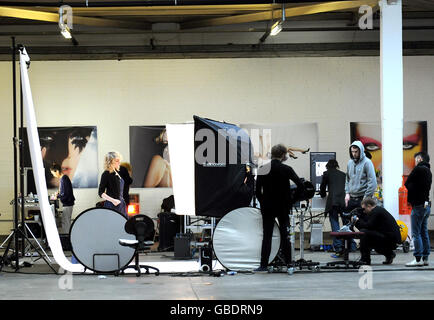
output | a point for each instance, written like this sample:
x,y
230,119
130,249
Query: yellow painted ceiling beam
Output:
x,y
164,10
276,14
54,17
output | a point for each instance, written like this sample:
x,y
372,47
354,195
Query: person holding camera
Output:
x,y
273,194
381,232
418,185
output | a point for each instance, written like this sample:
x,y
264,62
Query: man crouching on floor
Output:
x,y
381,232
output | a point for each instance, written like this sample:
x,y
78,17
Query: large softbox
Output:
x,y
222,151
208,161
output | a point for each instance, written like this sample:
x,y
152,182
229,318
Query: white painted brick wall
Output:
x,y
116,94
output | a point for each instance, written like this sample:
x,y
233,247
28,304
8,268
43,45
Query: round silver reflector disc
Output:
x,y
237,240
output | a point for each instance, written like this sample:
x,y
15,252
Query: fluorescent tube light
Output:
x,y
276,28
66,33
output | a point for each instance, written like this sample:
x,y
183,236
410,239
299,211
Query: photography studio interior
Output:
x,y
216,150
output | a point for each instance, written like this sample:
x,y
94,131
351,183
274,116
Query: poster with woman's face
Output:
x,y
74,149
149,156
415,140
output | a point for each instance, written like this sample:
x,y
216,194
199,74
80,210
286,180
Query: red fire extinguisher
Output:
x,y
404,207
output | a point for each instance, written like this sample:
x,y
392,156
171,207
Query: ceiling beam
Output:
x,y
54,17
217,51
276,14
165,10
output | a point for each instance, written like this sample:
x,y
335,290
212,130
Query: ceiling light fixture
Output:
x,y
66,33
277,26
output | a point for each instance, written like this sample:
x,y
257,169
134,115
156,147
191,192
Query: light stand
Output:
x,y
14,87
19,231
21,148
302,262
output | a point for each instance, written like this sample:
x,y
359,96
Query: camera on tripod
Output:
x,y
297,194
356,212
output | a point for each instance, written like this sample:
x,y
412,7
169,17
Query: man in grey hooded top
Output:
x,y
361,181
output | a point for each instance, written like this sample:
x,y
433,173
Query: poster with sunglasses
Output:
x,y
74,149
369,133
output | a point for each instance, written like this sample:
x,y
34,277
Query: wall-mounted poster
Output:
x,y
75,149
415,140
149,156
298,136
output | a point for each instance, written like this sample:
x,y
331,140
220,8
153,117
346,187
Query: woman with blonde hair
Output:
x,y
111,185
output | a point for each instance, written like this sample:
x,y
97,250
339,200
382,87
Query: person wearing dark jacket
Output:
x,y
273,194
111,185
334,180
66,196
381,232
125,171
418,185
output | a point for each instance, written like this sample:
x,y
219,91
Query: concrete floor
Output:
x,y
380,282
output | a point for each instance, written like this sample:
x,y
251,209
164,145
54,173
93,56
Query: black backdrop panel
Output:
x,y
219,186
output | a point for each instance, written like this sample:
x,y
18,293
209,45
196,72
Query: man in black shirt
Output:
x,y
273,194
381,232
418,185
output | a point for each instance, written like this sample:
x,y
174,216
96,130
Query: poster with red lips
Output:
x,y
369,133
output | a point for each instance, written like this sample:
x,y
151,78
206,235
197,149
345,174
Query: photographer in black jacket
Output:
x,y
273,194
381,232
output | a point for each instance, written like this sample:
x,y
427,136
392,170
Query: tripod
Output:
x,y
18,233
301,262
27,229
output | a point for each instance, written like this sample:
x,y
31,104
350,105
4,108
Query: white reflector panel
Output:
x,y
237,240
181,151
